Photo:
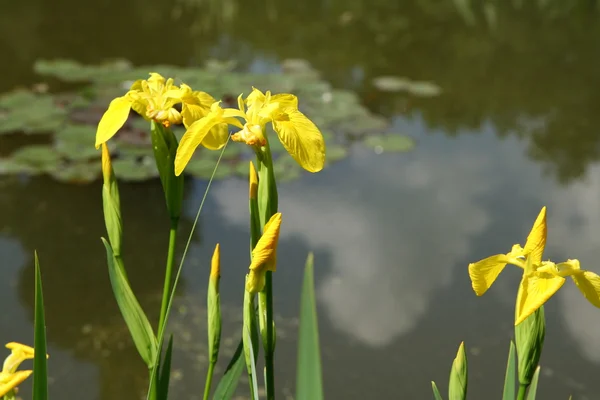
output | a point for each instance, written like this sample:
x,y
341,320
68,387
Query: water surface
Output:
x,y
515,128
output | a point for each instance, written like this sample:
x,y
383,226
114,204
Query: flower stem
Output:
x,y
168,274
270,345
522,392
209,376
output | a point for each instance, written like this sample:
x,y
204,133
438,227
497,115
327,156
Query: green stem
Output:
x,y
269,354
168,273
522,392
209,376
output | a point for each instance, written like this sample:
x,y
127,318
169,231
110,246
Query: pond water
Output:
x,y
515,128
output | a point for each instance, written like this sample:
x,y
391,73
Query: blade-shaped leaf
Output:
x,y
228,383
531,393
309,384
436,392
137,322
510,378
253,367
40,375
164,376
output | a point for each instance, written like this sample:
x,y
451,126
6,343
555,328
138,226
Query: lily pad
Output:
x,y
424,89
395,142
391,83
401,84
41,157
71,117
286,169
200,167
9,166
78,173
133,169
336,153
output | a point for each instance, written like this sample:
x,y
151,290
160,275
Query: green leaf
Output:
x,y
165,144
509,380
40,375
529,342
252,357
137,322
228,383
457,388
309,383
436,392
533,386
250,336
164,375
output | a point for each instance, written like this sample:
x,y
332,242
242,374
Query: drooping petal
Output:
x,y
285,100
301,138
267,244
589,284
113,119
483,273
535,289
19,353
192,138
195,105
10,381
536,241
217,137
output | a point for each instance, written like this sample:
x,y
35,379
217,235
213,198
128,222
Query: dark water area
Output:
x,y
516,127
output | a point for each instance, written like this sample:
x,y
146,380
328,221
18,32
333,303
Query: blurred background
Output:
x,y
476,114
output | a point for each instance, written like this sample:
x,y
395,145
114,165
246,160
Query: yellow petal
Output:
x,y
19,353
253,177
192,138
536,241
10,381
535,289
285,100
217,137
256,98
301,138
113,119
195,105
215,265
267,244
255,281
483,273
589,284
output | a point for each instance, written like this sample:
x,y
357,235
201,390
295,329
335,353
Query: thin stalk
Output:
x,y
161,332
269,353
209,376
522,392
168,274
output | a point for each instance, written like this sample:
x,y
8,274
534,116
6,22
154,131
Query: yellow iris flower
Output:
x,y
155,100
299,135
541,279
264,255
10,378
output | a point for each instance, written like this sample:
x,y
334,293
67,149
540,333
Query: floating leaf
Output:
x,y
203,168
391,83
390,143
41,157
424,89
79,173
336,153
130,169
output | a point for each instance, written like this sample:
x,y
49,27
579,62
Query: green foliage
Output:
x,y
309,382
135,318
511,373
529,340
40,377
